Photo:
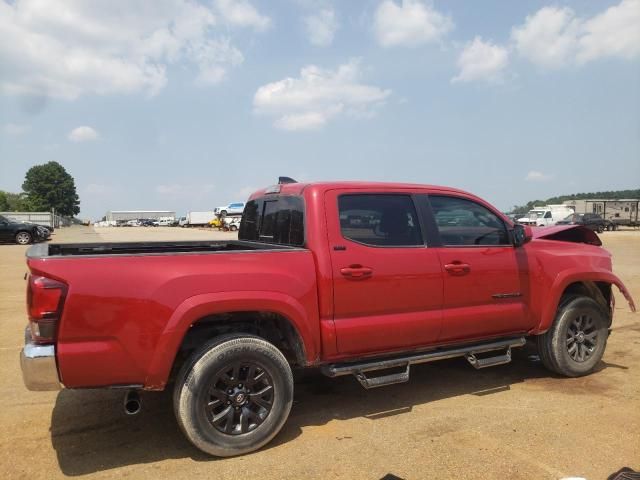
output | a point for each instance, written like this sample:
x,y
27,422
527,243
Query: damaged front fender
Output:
x,y
567,233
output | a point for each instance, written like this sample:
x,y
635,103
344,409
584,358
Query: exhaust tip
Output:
x,y
132,403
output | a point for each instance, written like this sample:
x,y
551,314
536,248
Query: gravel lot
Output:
x,y
514,421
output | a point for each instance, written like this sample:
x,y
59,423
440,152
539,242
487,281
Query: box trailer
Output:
x,y
546,215
195,219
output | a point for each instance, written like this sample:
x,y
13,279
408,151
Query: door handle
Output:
x,y
356,272
457,268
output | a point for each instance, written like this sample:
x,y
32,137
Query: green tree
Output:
x,y
50,186
12,202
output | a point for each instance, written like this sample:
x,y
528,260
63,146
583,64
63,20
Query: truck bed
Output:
x,y
148,248
128,304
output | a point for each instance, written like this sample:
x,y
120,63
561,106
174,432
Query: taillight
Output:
x,y
44,306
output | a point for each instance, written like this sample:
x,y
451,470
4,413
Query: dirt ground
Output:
x,y
515,421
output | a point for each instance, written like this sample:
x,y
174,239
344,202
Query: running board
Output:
x,y
383,380
479,363
359,369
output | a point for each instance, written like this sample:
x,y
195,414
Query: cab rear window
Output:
x,y
274,219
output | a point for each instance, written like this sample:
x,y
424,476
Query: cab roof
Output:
x,y
298,188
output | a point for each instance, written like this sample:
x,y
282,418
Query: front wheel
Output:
x,y
23,238
233,395
576,341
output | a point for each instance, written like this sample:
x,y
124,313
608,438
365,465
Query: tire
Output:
x,y
233,228
223,213
600,229
215,399
23,238
577,339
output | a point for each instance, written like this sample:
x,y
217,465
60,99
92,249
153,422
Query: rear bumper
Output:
x,y
38,364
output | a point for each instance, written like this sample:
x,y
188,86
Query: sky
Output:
x,y
184,105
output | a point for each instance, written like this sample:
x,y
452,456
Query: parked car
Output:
x,y
362,279
231,223
147,222
231,209
22,233
165,222
592,221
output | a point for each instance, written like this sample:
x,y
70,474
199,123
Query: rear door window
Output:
x,y
381,220
274,219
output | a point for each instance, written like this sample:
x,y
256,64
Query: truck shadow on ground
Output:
x,y
90,432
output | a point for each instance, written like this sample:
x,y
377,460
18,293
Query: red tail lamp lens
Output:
x,y
44,305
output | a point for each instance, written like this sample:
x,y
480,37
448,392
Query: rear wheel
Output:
x,y
223,213
23,238
600,228
234,395
576,341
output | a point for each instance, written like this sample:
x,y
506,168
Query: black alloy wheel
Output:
x,y
582,338
233,395
240,398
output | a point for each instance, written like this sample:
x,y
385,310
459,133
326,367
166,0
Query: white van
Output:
x,y
545,216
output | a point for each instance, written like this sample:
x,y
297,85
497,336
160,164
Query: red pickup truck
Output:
x,y
362,279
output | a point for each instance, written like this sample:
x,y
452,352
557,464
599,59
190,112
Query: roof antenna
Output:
x,y
283,180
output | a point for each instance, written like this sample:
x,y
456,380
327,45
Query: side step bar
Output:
x,y
359,369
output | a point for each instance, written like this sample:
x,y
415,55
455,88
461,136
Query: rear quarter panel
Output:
x,y
125,316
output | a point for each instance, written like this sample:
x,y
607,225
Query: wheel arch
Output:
x,y
594,284
241,312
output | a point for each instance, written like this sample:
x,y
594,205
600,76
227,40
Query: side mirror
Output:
x,y
521,234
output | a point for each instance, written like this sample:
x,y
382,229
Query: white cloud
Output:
x,y
615,32
70,48
83,134
537,176
410,23
241,13
482,60
15,129
317,96
214,58
549,37
554,37
321,27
